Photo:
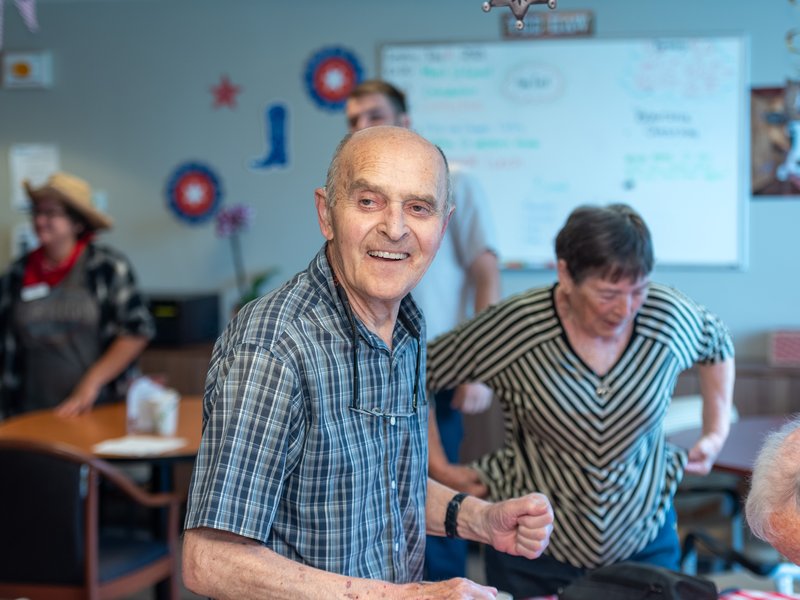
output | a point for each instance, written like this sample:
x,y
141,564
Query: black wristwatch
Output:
x,y
451,517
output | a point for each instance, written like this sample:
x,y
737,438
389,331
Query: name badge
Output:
x,y
34,292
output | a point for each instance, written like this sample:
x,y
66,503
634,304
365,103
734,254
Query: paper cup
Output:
x,y
165,412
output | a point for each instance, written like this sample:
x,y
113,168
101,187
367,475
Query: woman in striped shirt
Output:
x,y
585,371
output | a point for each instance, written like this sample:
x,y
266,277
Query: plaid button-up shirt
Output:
x,y
285,459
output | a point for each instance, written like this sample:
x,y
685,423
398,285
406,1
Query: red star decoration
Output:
x,y
225,93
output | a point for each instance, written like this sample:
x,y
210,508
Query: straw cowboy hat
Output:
x,y
75,193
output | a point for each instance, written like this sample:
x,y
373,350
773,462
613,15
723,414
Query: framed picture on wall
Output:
x,y
775,140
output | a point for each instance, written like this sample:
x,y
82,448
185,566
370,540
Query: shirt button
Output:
x,y
392,421
394,484
396,547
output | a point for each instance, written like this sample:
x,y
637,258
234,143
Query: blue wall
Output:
x,y
131,101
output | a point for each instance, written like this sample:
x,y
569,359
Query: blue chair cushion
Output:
x,y
121,554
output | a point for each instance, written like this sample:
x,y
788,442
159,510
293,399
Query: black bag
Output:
x,y
637,581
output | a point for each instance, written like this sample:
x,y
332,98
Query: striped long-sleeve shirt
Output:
x,y
593,444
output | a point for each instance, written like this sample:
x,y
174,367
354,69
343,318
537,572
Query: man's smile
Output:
x,y
388,255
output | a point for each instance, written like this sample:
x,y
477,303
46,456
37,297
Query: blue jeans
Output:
x,y
544,576
446,558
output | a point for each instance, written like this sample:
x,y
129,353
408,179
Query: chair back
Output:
x,y
43,516
49,518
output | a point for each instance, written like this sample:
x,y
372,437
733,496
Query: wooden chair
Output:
x,y
53,547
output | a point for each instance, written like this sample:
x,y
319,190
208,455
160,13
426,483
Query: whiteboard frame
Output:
x,y
741,263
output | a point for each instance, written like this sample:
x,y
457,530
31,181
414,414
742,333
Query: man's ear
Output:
x,y
323,212
447,218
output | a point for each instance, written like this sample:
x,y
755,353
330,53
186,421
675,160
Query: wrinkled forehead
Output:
x,y
396,155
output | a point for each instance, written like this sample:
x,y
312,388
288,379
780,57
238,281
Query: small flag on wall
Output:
x,y
27,70
27,10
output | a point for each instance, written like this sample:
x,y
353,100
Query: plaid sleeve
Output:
x,y
254,424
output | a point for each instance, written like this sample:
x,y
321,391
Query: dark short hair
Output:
x,y
377,86
612,242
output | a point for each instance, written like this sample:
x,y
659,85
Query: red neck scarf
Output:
x,y
36,272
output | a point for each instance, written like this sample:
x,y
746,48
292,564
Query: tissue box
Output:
x,y
151,408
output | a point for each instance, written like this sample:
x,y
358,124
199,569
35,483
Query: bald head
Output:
x,y
384,211
377,144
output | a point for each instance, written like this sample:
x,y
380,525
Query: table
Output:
x,y
108,421
741,448
104,422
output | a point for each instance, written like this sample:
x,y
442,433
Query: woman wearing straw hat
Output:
x,y
72,321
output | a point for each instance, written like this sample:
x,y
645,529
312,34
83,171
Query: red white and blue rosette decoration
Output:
x,y
331,74
194,192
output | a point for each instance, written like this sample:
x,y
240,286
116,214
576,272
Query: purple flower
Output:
x,y
231,222
234,219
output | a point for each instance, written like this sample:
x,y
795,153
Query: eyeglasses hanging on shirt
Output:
x,y
375,411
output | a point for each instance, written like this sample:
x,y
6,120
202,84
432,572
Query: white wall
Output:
x,y
131,101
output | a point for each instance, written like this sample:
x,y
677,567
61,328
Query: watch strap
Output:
x,y
451,516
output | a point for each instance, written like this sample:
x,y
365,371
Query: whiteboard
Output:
x,y
547,125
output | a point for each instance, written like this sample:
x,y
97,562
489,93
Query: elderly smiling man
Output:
x,y
311,480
